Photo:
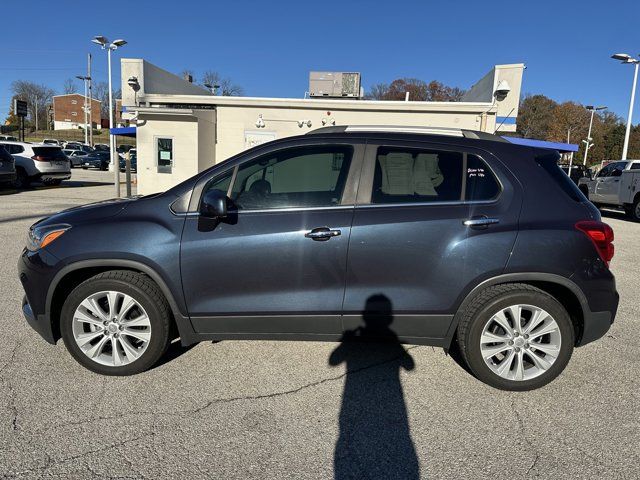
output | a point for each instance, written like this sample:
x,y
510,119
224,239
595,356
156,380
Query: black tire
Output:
x,y
634,210
146,293
22,179
485,306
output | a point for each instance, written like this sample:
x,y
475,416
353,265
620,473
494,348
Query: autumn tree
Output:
x,y
418,90
535,115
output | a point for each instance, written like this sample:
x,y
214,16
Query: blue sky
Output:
x,y
269,47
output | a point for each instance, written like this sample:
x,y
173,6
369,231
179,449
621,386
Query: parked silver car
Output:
x,y
38,162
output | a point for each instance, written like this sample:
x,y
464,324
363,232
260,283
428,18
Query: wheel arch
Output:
x,y
561,288
72,275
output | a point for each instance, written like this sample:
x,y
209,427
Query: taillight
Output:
x,y
40,158
601,235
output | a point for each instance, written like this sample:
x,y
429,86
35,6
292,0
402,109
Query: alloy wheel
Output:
x,y
520,342
111,328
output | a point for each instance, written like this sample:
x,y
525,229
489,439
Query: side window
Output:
x,y
220,182
408,175
606,171
635,166
481,183
302,177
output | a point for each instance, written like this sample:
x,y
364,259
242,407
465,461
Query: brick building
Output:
x,y
68,112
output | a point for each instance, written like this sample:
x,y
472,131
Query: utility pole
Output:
x,y
90,102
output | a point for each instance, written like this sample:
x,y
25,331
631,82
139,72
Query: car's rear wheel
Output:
x,y
22,179
516,337
116,323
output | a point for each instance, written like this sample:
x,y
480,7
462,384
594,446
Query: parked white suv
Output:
x,y
37,162
616,185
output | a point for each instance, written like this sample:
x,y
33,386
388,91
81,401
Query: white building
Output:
x,y
183,129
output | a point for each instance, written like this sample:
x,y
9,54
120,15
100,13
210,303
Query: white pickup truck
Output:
x,y
616,185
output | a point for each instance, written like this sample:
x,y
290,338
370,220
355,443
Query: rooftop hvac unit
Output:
x,y
334,84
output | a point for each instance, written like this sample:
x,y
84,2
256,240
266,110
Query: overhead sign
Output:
x,y
20,107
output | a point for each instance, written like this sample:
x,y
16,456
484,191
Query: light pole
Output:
x,y
212,88
588,141
85,79
106,45
624,58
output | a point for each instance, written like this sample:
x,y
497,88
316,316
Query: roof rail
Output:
x,y
424,130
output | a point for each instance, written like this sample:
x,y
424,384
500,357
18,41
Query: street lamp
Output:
x,y
624,58
87,106
105,45
588,143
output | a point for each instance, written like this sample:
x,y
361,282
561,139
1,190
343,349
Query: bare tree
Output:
x,y
69,86
37,97
227,87
100,91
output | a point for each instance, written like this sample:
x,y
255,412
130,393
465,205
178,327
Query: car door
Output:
x,y
610,186
430,221
276,265
602,184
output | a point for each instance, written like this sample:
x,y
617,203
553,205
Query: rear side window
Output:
x,y
14,149
549,162
408,175
481,183
635,166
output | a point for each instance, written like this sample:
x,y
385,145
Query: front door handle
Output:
x,y
480,222
322,234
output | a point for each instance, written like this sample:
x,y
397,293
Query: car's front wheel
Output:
x,y
116,323
516,337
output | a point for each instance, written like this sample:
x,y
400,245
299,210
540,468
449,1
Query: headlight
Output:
x,y
41,236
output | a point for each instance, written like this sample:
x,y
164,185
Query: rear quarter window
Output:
x,y
549,163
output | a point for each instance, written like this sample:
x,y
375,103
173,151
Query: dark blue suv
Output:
x,y
453,238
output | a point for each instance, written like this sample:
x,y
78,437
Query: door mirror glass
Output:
x,y
616,173
214,204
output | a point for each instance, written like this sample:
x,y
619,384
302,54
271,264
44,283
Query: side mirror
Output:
x,y
616,173
214,204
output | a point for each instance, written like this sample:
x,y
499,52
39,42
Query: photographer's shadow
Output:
x,y
374,440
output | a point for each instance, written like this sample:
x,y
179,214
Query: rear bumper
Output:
x,y
54,175
597,324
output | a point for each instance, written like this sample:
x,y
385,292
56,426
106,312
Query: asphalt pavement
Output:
x,y
303,410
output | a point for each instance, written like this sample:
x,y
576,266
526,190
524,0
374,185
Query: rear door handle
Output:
x,y
322,234
480,222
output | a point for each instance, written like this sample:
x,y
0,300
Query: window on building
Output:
x,y
74,114
74,102
165,155
296,178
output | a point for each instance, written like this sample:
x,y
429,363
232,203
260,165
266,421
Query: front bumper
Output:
x,y
36,271
40,323
7,178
